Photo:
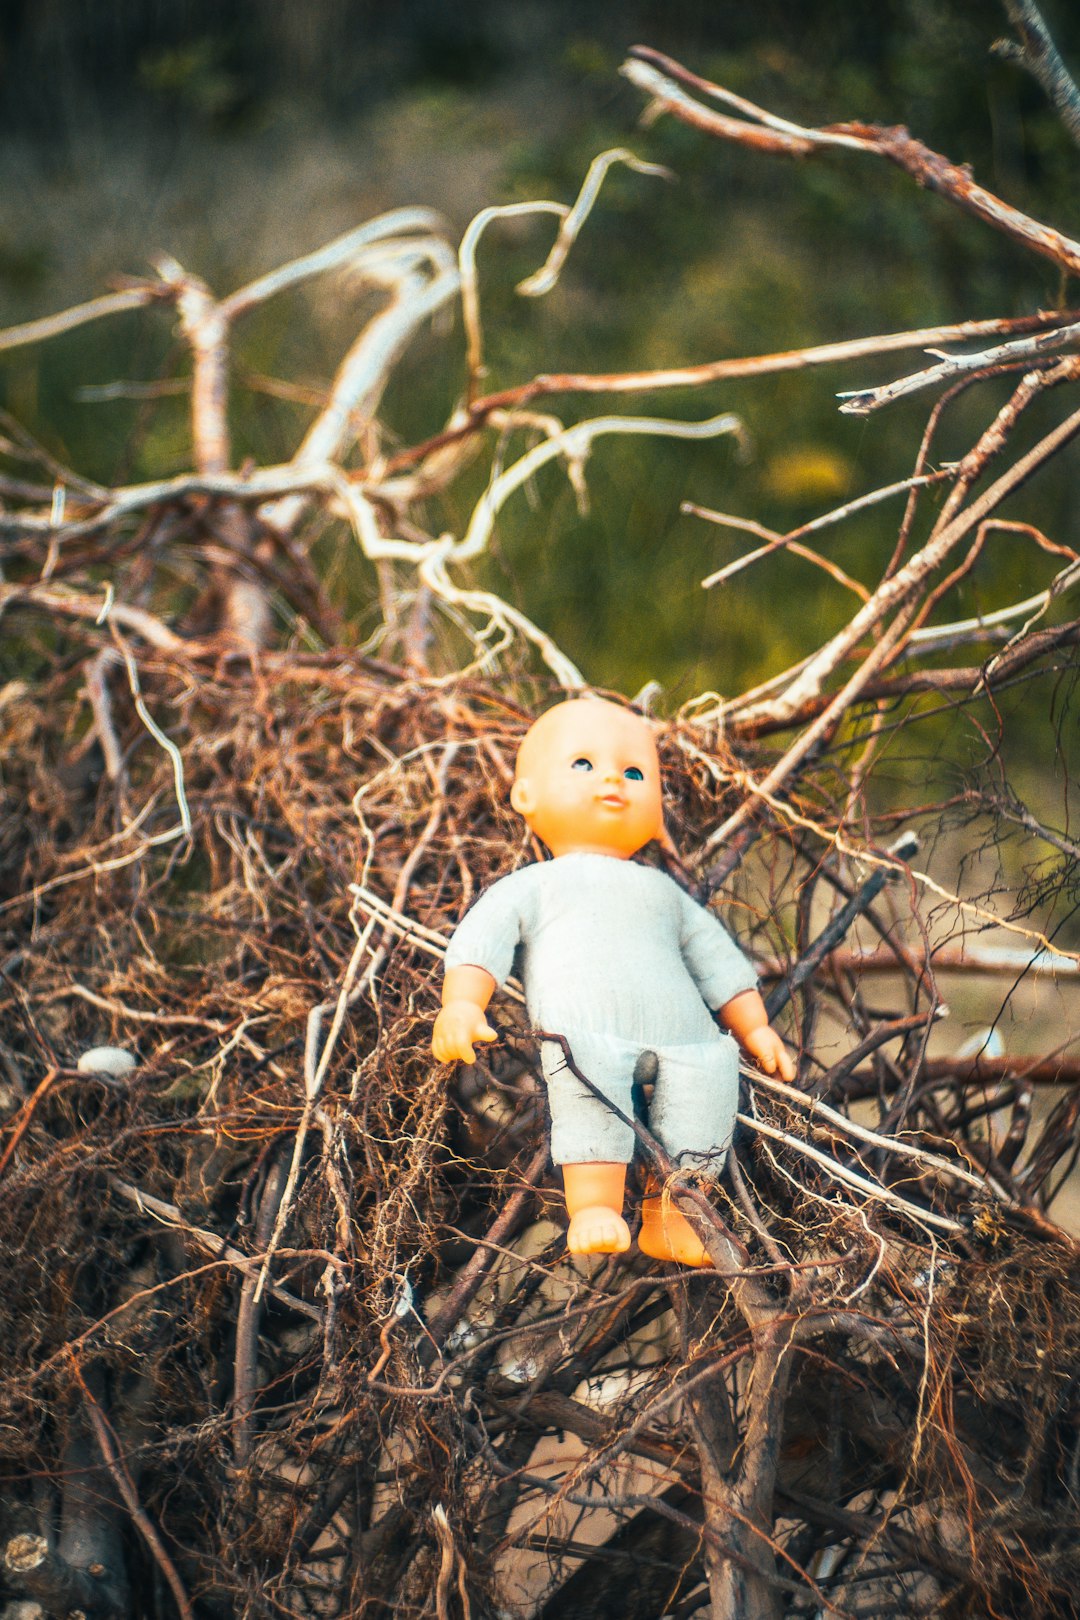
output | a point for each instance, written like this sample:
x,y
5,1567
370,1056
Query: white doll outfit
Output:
x,y
616,958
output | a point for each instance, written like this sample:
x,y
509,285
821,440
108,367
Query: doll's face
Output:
x,y
588,780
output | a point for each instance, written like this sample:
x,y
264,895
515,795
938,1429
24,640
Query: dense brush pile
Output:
x,y
358,1434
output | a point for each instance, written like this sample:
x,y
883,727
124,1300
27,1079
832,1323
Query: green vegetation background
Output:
x,y
237,135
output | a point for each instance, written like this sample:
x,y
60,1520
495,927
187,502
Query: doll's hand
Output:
x,y
770,1051
457,1028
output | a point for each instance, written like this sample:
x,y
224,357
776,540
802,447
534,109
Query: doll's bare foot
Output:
x,y
666,1234
594,1198
597,1230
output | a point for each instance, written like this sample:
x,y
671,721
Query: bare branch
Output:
x,y
927,168
862,401
66,321
894,591
1038,55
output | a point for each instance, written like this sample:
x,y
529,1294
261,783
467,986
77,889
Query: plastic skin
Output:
x,y
588,783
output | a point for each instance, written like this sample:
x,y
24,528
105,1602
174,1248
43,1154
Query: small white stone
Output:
x,y
106,1060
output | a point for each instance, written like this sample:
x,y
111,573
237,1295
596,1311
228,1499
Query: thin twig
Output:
x,y
124,1483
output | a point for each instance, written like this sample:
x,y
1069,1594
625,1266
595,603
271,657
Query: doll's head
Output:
x,y
588,780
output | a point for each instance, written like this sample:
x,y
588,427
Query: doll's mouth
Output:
x,y
613,801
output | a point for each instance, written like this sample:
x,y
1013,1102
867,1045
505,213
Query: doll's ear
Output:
x,y
522,797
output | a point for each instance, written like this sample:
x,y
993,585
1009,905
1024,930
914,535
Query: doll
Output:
x,y
620,961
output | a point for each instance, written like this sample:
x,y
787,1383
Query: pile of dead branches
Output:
x,y
291,1328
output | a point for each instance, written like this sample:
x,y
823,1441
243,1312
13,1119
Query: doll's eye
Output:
x,y
633,774
582,764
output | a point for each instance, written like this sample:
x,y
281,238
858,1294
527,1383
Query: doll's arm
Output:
x,y
479,958
466,993
748,1021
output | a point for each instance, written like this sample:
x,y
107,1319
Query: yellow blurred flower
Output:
x,y
808,472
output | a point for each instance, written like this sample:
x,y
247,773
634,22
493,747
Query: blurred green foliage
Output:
x,y
239,135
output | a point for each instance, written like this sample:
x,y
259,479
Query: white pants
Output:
x,y
692,1113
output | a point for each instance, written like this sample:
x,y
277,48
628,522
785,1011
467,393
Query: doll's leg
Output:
x,y
666,1234
692,1115
594,1201
589,1142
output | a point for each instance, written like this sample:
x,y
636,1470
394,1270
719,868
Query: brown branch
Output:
x,y
476,1268
892,1029
125,1485
738,1468
26,1114
973,1072
696,376
248,1315
209,1242
549,1408
928,168
993,962
966,681
953,182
